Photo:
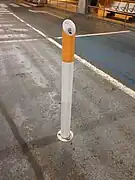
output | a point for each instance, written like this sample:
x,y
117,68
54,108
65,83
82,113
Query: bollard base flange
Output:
x,y
65,139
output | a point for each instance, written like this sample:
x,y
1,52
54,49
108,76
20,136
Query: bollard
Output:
x,y
68,49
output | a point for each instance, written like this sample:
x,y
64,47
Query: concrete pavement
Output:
x,y
102,115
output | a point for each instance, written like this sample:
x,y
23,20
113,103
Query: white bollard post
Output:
x,y
68,49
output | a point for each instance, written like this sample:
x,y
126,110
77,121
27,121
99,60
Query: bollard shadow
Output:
x,y
43,142
24,146
61,163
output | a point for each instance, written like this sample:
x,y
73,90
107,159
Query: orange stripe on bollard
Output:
x,y
68,47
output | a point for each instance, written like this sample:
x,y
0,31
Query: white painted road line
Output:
x,y
3,5
25,5
14,5
2,36
99,34
55,43
19,30
42,34
3,13
105,76
3,9
6,21
19,40
6,25
34,11
35,5
45,12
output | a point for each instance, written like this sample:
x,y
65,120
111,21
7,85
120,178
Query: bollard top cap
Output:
x,y
69,27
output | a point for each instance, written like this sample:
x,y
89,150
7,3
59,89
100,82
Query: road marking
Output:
x,y
3,11
45,12
34,11
6,21
55,43
25,5
6,25
2,36
1,30
3,5
19,30
99,34
105,76
42,34
14,5
35,5
19,40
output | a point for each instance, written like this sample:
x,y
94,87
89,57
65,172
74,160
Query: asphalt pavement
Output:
x,y
103,147
112,53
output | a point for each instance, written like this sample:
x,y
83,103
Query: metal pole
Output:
x,y
104,8
66,4
68,48
126,14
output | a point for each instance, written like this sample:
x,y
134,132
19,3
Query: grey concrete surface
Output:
x,y
102,117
